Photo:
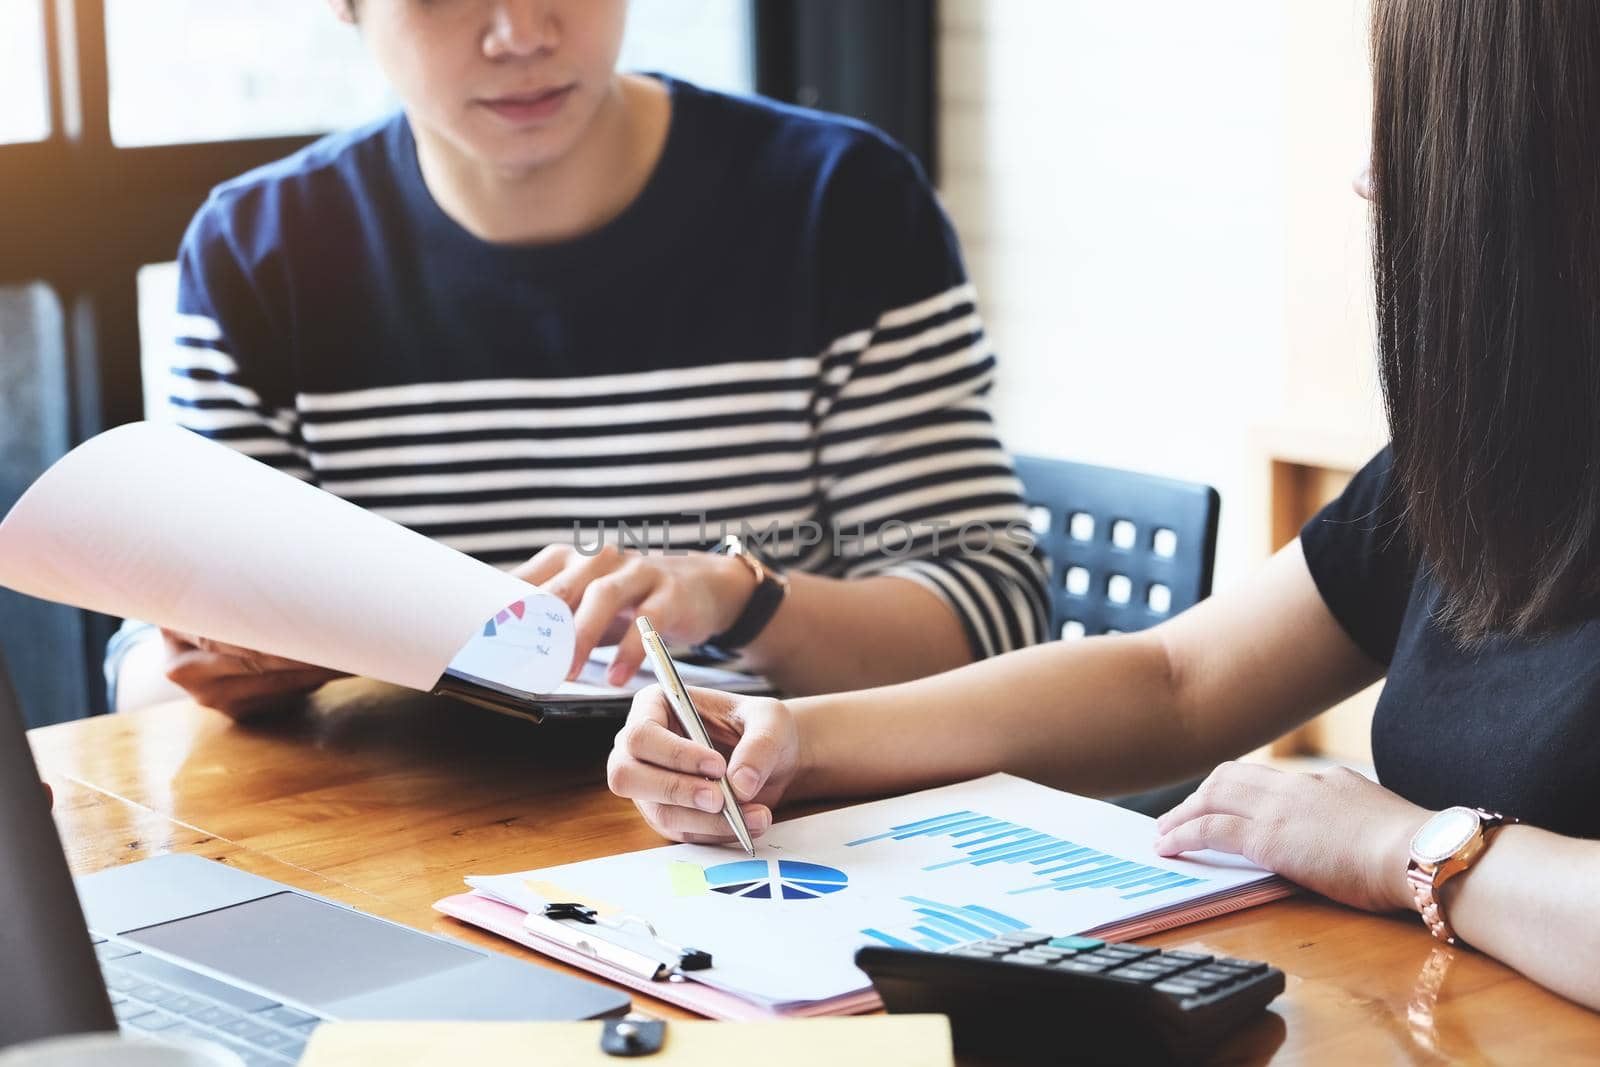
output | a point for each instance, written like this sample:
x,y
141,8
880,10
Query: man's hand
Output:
x,y
1337,833
237,681
688,598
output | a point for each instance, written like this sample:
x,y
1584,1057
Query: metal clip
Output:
x,y
672,959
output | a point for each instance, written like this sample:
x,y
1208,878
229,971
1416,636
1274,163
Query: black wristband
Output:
x,y
758,611
763,604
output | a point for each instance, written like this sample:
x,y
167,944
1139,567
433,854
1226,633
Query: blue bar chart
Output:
x,y
1053,864
935,926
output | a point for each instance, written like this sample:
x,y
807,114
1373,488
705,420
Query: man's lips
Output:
x,y
529,107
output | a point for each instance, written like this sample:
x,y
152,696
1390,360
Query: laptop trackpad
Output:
x,y
303,949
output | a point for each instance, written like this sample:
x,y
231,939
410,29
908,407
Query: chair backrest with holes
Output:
x,y
1126,550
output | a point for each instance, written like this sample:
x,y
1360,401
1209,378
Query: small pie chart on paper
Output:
x,y
758,879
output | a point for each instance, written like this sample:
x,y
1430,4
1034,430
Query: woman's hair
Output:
x,y
1486,247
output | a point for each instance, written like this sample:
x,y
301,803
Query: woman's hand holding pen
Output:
x,y
670,777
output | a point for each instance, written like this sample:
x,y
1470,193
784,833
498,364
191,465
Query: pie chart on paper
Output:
x,y
775,879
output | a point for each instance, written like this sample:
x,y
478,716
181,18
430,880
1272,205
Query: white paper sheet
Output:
x,y
156,523
591,682
992,854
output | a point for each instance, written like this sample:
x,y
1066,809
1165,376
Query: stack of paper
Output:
x,y
930,870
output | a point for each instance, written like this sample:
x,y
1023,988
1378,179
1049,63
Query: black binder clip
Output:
x,y
633,1036
576,912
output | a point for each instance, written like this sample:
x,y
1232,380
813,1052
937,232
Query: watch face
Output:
x,y
1444,835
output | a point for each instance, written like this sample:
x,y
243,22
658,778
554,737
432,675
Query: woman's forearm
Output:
x,y
1093,715
1102,716
1530,903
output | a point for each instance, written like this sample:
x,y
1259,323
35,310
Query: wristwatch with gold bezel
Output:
x,y
1446,845
772,585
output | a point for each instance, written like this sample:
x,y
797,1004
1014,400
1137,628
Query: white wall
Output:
x,y
1117,175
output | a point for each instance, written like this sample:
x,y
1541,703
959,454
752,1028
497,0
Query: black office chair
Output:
x,y
1125,551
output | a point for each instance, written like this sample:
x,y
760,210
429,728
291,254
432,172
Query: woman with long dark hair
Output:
x,y
1461,565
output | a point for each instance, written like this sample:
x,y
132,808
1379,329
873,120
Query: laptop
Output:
x,y
182,946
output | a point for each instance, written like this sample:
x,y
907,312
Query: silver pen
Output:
x,y
689,718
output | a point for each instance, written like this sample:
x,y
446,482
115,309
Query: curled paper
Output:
x,y
154,522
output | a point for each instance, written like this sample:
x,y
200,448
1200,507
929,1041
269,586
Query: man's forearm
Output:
x,y
834,634
142,675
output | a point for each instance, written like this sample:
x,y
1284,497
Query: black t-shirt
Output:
x,y
1513,726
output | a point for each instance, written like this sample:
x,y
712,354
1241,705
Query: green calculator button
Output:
x,y
1077,944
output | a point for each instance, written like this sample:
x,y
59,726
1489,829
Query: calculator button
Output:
x,y
1133,951
971,953
1029,956
1081,967
1166,964
1189,957
1177,987
1143,974
1024,938
1104,958
1124,974
1051,954
1211,972
1244,966
993,946
1079,944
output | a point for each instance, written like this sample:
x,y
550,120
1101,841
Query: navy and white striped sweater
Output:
x,y
779,330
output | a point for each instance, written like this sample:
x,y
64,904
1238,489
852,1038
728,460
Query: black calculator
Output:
x,y
1075,999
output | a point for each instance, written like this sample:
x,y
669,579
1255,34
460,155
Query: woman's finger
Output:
x,y
709,828
766,736
1231,789
650,742
1225,833
653,785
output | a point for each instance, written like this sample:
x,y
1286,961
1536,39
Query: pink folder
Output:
x,y
506,921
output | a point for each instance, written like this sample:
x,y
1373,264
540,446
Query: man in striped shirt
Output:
x,y
549,302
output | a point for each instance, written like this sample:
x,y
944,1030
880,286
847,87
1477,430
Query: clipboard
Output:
x,y
673,986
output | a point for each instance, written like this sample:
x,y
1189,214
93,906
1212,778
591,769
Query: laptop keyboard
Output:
x,y
154,997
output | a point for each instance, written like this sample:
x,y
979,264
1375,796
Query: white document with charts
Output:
x,y
929,870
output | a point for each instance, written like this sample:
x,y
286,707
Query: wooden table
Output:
x,y
385,801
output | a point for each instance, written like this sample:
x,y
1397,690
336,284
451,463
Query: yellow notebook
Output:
x,y
875,1040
